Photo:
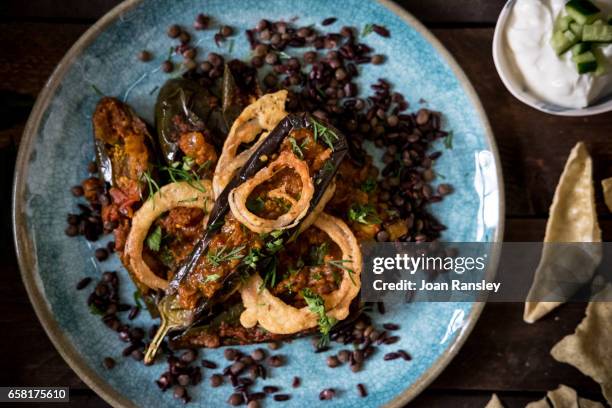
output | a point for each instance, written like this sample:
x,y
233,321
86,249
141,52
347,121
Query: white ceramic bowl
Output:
x,y
515,85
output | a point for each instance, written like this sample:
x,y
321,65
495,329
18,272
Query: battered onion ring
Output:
x,y
314,214
180,194
278,317
262,115
238,197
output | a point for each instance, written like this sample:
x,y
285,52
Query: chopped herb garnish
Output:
x,y
255,205
316,276
327,135
184,172
339,263
154,239
152,185
318,253
137,298
293,270
284,205
274,246
251,258
337,277
316,305
152,91
230,47
328,167
166,257
97,90
221,255
95,309
269,269
369,185
367,29
212,278
448,140
364,214
297,150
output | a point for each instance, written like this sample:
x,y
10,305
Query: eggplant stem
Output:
x,y
172,317
164,328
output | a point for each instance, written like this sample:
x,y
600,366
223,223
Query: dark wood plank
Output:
x,y
532,159
430,12
517,355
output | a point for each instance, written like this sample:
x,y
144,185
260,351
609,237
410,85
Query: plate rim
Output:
x,y
26,260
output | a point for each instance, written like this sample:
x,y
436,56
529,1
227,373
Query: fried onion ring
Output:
x,y
180,194
238,197
278,317
262,115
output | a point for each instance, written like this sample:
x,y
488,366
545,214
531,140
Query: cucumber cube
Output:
x,y
597,33
581,48
583,11
585,62
576,29
563,41
563,23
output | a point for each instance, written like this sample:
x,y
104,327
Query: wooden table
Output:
x,y
502,355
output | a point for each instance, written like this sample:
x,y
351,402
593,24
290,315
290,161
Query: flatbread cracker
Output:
x,y
573,218
606,184
494,402
589,349
564,397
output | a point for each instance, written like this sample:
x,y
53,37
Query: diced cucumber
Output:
x,y
597,33
581,48
583,11
576,28
585,62
562,23
602,62
563,41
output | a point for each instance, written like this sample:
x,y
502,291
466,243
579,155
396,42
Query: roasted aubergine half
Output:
x,y
275,194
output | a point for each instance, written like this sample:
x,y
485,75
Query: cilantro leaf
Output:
x,y
154,239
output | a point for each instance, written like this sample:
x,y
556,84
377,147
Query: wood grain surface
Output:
x,y
502,355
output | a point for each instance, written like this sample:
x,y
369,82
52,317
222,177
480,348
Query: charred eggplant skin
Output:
x,y
125,149
182,105
239,89
271,145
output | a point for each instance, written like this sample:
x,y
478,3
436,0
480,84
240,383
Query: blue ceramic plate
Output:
x,y
58,144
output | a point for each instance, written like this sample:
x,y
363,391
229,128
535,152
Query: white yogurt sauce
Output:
x,y
547,76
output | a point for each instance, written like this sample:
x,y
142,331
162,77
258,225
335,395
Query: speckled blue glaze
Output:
x,y
62,145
